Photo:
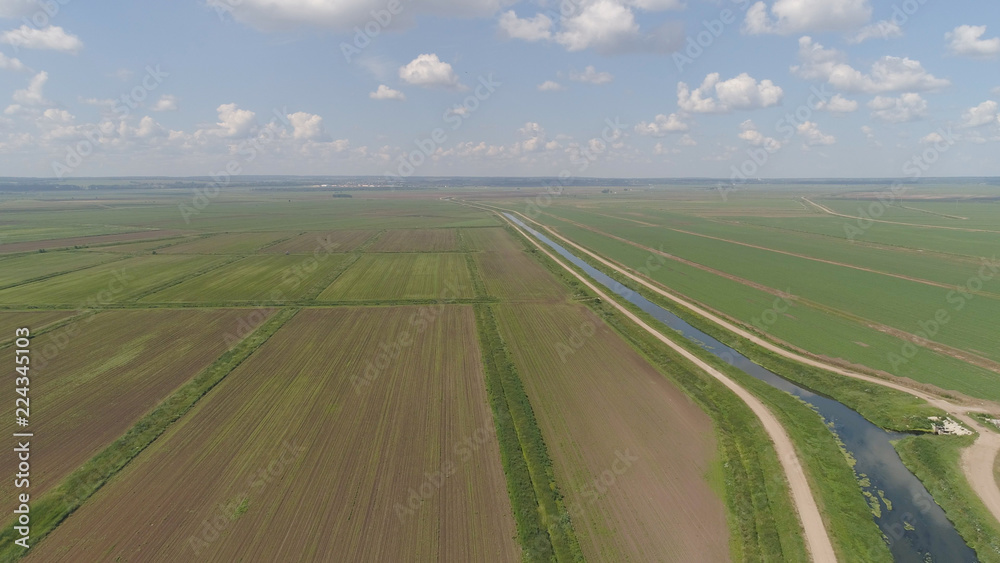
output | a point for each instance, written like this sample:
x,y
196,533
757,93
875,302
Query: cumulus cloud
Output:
x,y
306,126
32,95
550,86
932,138
234,122
51,37
967,41
740,93
661,126
167,102
888,74
983,114
812,136
386,93
10,63
590,75
908,107
885,29
527,29
429,71
787,17
750,134
838,104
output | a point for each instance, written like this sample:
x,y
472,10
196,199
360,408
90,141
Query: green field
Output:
x,y
256,278
21,268
384,277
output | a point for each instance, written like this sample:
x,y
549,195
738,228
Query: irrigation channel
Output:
x,y
915,527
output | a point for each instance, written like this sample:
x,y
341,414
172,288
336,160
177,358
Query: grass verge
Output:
x,y
936,461
53,507
543,526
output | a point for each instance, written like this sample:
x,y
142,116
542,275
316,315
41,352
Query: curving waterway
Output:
x,y
915,527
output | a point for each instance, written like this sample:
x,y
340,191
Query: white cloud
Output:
x,y
885,29
234,122
167,102
799,16
306,126
344,15
610,27
931,139
429,71
687,141
534,135
888,74
386,93
908,107
528,29
661,126
750,134
838,104
967,41
52,37
32,95
740,93
983,114
10,63
813,136
590,75
550,86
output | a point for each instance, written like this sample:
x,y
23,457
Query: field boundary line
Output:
x,y
826,209
53,507
156,289
817,540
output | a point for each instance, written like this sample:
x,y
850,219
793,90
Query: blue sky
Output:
x,y
492,87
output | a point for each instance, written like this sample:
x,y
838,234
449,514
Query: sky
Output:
x,y
579,88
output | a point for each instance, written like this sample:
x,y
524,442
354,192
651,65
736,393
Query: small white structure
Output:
x,y
950,427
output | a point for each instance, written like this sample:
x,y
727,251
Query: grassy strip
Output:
x,y
761,514
543,525
52,275
56,505
186,277
321,285
936,461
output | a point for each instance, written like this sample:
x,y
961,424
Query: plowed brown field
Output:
x,y
92,379
304,453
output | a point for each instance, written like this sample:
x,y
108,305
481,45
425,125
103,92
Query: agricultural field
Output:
x,y
386,277
119,281
34,320
93,378
631,453
417,240
256,278
422,481
18,269
490,240
226,243
59,243
309,243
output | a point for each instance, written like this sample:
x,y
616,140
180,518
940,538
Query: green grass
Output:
x,y
544,529
936,461
115,282
403,276
56,505
226,243
256,278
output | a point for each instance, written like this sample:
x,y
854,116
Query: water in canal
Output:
x,y
914,525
